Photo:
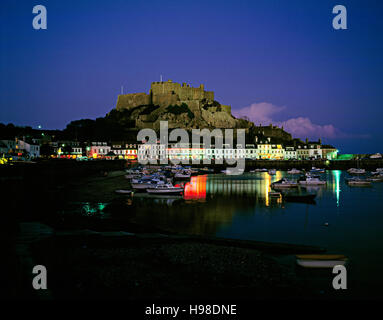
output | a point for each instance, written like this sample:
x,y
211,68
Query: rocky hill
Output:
x,y
181,105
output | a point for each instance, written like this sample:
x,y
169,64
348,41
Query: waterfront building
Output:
x,y
303,153
290,152
154,151
329,152
21,148
315,150
3,148
98,150
269,148
251,151
124,150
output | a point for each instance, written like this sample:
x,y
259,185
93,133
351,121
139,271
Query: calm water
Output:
x,y
239,207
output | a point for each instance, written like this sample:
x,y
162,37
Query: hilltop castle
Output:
x,y
186,107
166,93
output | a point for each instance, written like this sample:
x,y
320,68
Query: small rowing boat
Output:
x,y
321,260
121,191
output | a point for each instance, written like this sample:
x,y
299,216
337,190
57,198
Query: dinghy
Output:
x,y
321,260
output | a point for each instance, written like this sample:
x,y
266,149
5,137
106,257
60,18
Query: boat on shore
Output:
x,y
284,183
321,260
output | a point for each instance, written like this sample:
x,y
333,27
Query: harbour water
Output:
x,y
343,219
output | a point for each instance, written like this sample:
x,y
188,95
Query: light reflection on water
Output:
x,y
239,207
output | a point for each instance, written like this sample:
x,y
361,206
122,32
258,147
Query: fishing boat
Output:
x,y
272,171
165,189
294,171
321,260
357,182
284,183
312,180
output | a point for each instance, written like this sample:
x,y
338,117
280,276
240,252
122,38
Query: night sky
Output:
x,y
273,61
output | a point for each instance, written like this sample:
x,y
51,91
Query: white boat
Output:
x,y
185,174
294,171
165,189
121,191
284,183
321,260
272,171
320,263
356,171
376,156
145,184
358,182
317,170
375,178
233,171
312,180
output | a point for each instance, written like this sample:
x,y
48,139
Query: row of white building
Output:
x,y
263,149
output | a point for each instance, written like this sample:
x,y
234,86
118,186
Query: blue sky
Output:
x,y
278,61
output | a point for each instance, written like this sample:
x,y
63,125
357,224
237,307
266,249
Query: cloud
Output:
x,y
300,127
303,127
259,113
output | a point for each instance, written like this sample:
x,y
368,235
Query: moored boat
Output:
x,y
356,171
122,191
294,171
165,189
275,194
309,179
357,182
317,170
272,171
144,184
284,183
